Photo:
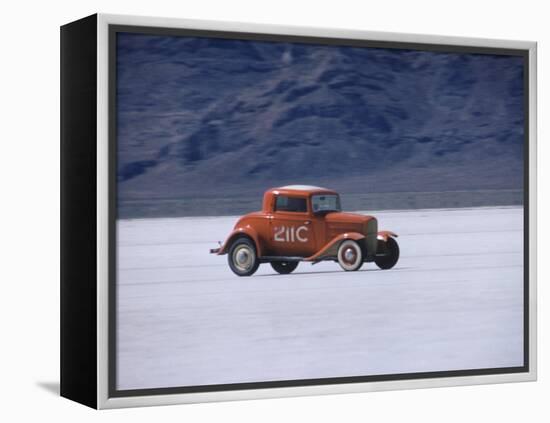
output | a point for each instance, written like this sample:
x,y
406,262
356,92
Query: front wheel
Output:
x,y
350,255
242,257
284,267
389,254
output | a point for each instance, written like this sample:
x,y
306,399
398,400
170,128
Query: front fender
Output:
x,y
384,235
240,231
331,247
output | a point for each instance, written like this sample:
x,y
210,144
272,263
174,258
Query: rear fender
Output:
x,y
384,235
331,248
245,230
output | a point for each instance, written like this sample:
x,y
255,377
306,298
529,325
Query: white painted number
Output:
x,y
290,233
300,237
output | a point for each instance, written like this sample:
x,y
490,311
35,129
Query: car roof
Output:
x,y
302,189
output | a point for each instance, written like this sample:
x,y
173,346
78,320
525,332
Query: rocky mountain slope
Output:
x,y
217,118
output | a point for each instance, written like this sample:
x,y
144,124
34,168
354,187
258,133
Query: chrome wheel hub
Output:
x,y
349,255
243,258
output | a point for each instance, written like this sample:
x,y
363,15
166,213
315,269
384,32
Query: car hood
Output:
x,y
339,222
343,217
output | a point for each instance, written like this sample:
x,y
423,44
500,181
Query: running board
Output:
x,y
267,259
281,258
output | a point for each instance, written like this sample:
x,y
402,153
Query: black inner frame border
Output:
x,y
112,194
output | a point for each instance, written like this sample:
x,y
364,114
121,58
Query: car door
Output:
x,y
292,232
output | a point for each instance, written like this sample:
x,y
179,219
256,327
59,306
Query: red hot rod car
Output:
x,y
305,223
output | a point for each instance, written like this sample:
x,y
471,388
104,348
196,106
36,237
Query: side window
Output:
x,y
290,204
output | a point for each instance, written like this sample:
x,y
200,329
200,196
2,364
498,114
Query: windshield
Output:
x,y
325,203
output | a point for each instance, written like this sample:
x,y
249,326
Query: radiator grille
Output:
x,y
371,234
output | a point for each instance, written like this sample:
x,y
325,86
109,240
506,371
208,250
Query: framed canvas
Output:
x,y
254,211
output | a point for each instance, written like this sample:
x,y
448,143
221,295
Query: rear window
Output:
x,y
291,204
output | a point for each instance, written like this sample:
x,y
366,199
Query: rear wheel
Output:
x,y
389,251
284,267
350,255
242,257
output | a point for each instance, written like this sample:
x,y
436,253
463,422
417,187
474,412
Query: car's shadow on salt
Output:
x,y
335,271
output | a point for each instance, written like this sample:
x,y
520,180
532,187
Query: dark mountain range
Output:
x,y
204,118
